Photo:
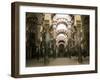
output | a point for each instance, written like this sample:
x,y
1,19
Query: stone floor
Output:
x,y
56,62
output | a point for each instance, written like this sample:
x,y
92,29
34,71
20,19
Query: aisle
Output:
x,y
57,61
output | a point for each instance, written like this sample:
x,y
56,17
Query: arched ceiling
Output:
x,y
62,24
61,39
61,27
